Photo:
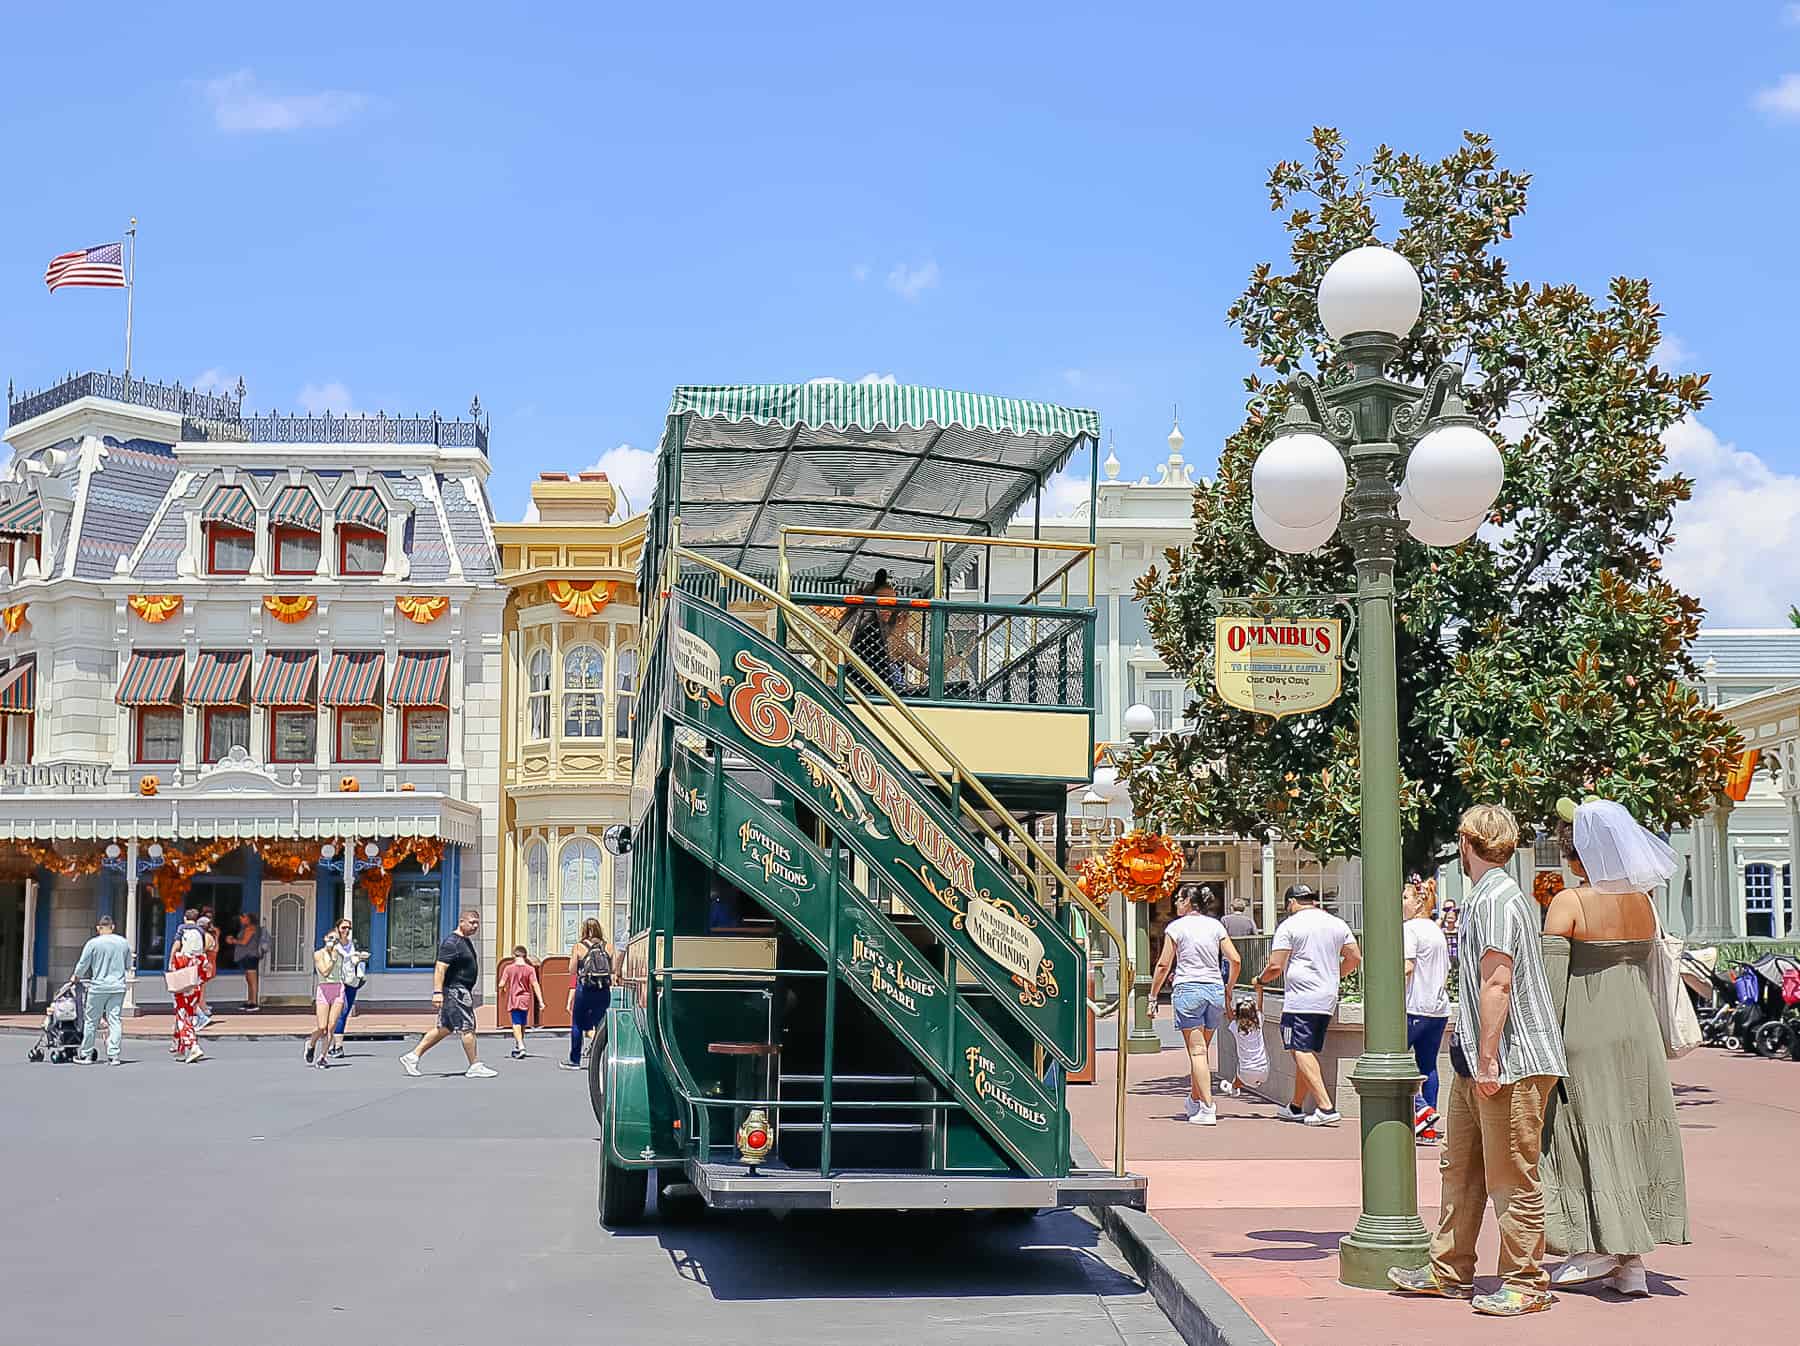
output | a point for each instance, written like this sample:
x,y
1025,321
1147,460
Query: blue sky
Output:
x,y
569,210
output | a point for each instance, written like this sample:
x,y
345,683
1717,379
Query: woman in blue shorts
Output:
x,y
1191,954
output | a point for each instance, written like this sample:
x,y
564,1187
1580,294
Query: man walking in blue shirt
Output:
x,y
104,962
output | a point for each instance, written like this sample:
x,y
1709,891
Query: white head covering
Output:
x,y
1619,855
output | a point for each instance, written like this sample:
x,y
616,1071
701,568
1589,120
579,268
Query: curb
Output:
x,y
1198,1307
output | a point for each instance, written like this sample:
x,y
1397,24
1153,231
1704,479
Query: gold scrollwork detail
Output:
x,y
1036,994
1023,918
946,896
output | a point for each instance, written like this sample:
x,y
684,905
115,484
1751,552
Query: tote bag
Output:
x,y
1674,1010
182,978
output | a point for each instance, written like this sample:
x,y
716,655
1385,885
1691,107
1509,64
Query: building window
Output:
x,y
361,551
579,892
159,734
537,899
152,932
229,550
1546,852
226,727
17,731
584,691
293,735
425,734
627,694
538,682
1759,901
296,551
412,925
359,734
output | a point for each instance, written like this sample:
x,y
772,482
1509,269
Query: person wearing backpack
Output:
x,y
590,987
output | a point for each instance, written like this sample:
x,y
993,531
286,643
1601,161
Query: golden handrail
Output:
x,y
840,652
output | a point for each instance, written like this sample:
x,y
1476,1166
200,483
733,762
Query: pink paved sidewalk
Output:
x,y
234,1023
1261,1204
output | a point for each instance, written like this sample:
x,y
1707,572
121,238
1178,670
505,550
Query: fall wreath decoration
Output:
x,y
378,883
422,608
580,598
1547,884
1144,866
154,608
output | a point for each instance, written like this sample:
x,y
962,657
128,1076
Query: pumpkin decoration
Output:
x,y
1145,866
407,787
348,785
147,786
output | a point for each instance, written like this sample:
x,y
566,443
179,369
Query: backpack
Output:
x,y
596,966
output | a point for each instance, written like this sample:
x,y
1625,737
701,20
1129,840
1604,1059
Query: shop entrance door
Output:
x,y
288,916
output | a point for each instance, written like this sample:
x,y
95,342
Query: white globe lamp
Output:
x,y
1293,541
1140,721
327,851
156,851
1455,472
1431,530
1106,782
1369,290
372,851
1299,480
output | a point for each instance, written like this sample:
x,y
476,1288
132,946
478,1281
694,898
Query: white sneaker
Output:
x,y
1318,1117
1204,1116
1629,1279
1192,1105
1583,1268
1289,1113
480,1072
195,1055
410,1064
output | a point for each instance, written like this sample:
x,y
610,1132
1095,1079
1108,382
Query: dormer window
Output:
x,y
294,520
362,533
229,520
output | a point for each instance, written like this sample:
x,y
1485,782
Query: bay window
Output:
x,y
584,692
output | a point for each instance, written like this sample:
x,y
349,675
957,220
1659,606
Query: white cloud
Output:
x,y
217,382
1671,353
1074,377
1790,15
887,379
632,471
909,282
1781,100
1737,542
240,103
860,272
315,398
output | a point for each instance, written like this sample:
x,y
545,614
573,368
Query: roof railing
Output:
x,y
170,397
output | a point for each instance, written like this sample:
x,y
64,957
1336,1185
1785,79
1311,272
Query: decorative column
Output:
x,y
1270,907
131,923
1784,883
1728,908
28,945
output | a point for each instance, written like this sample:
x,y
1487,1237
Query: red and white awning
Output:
x,y
220,678
24,515
18,688
286,678
150,678
230,504
421,679
297,506
353,679
362,508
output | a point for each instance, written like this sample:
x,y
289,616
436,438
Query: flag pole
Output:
x,y
130,285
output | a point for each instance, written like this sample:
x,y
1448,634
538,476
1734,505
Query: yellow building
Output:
x,y
569,686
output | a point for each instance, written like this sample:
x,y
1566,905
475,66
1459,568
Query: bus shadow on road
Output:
x,y
887,1254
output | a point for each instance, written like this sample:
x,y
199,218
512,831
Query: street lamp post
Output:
x,y
1413,462
1140,723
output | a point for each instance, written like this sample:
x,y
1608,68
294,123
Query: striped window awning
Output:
x,y
150,678
362,508
230,504
18,688
298,507
24,515
287,678
422,679
220,678
353,679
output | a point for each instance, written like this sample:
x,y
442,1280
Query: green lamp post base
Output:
x,y
1142,1039
1389,1232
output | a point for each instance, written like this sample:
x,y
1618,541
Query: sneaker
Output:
x,y
1424,1281
115,1060
1203,1116
1584,1268
1629,1279
81,1060
1422,1119
523,1053
480,1072
1191,1105
1289,1113
410,1064
307,1055
1509,1301
336,1051
195,1055
1320,1117
567,1065
514,1053
250,1009
1429,1136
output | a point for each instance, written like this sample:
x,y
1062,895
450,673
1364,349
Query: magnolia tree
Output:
x,y
1546,656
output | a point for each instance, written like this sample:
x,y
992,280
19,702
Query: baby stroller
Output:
x,y
1713,993
61,1036
1760,1003
1779,1034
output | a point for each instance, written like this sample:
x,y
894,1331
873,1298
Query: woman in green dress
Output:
x,y
1614,1183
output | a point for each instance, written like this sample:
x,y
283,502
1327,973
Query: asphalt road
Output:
x,y
251,1201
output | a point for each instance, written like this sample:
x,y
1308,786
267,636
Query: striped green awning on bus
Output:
x,y
286,678
754,458
362,508
18,688
353,679
150,678
220,678
421,679
297,506
230,504
24,515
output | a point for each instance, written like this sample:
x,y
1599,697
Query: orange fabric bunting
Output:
x,y
13,618
580,598
289,608
154,608
422,608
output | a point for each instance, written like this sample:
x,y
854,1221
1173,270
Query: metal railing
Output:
x,y
117,388
328,429
942,546
964,791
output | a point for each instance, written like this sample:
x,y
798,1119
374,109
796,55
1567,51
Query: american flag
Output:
x,y
101,266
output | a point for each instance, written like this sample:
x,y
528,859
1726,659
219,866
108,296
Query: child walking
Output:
x,y
519,980
1252,1055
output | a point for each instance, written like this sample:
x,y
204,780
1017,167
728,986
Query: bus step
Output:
x,y
857,1128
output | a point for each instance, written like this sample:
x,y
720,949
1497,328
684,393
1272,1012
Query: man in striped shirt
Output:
x,y
1506,1016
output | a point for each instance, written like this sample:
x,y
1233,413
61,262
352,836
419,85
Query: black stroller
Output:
x,y
61,1035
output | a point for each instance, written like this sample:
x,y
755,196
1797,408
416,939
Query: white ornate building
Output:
x,y
280,632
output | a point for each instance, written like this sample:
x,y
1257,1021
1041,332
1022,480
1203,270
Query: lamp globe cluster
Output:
x,y
1453,477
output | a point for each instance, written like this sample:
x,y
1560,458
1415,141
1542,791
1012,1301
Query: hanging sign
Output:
x,y
697,664
1278,666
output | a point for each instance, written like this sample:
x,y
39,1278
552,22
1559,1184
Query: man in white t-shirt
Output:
x,y
1192,945
1313,951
